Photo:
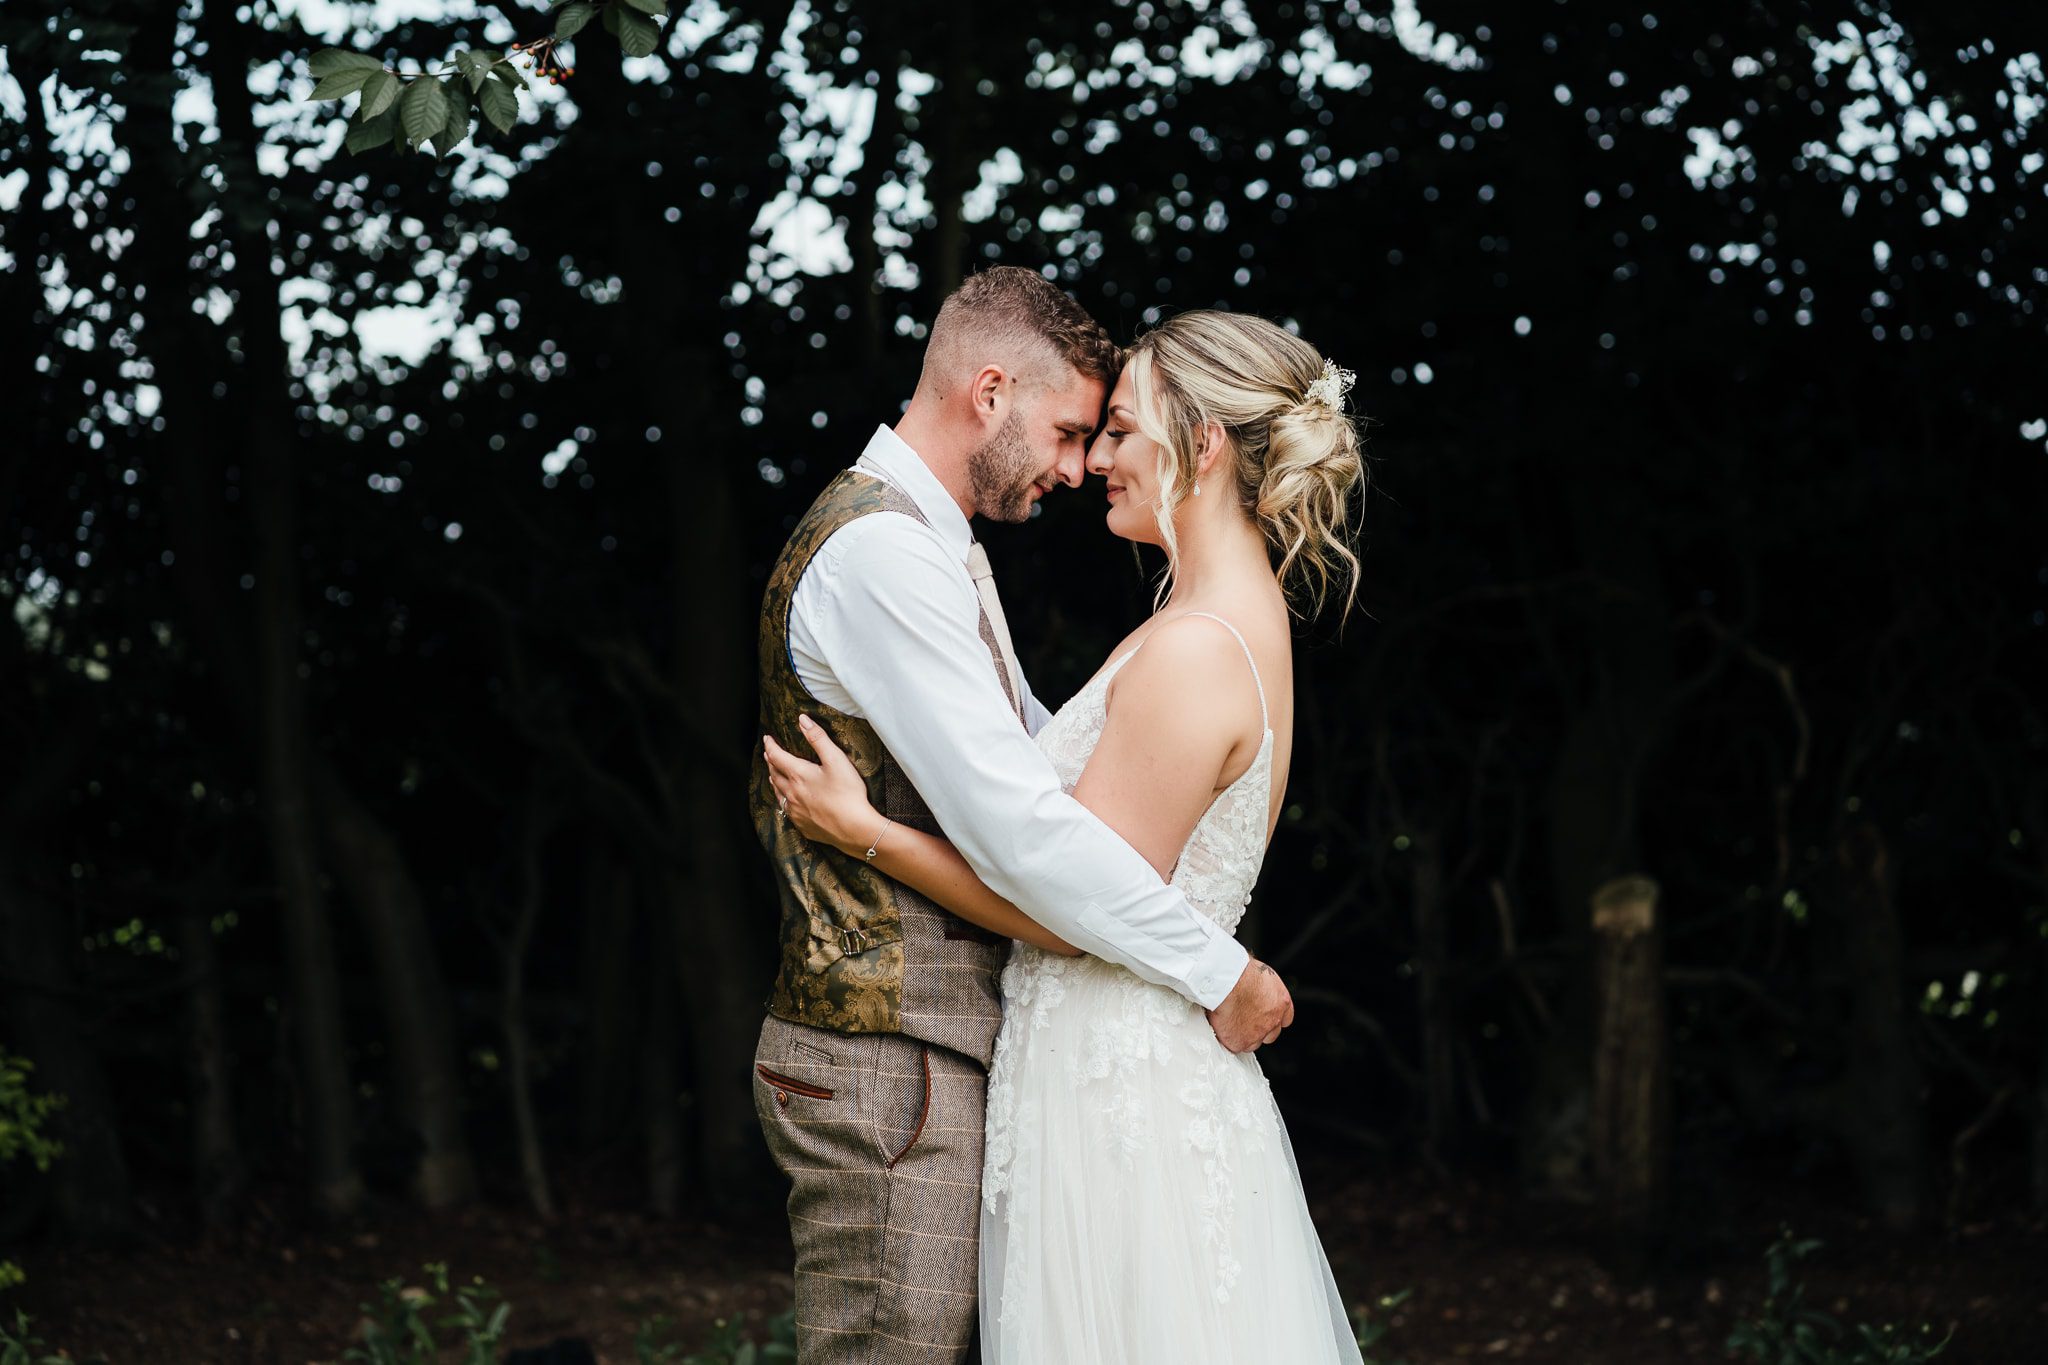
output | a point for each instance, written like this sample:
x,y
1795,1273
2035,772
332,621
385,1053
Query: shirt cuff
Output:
x,y
1215,970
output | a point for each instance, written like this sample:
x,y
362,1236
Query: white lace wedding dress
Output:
x,y
1140,1202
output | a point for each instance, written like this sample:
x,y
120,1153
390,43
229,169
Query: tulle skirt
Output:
x,y
1141,1203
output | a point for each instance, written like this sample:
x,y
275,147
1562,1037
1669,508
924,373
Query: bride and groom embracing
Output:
x,y
1008,1053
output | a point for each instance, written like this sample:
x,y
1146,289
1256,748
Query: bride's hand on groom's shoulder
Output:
x,y
1255,1011
826,801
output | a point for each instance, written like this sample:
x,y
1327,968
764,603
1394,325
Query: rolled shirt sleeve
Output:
x,y
895,623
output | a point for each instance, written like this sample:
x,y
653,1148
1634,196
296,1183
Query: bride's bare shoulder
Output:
x,y
1190,665
1259,624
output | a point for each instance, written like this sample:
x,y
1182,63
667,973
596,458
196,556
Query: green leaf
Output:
x,y
638,34
342,83
373,131
454,129
572,19
477,66
423,109
650,6
511,75
499,105
329,60
379,92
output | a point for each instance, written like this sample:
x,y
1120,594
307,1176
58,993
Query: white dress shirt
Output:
x,y
885,626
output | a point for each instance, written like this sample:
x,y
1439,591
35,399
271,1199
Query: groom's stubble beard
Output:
x,y
1001,472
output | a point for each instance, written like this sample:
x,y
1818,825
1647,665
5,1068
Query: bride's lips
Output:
x,y
1113,490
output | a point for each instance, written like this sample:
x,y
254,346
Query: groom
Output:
x,y
881,622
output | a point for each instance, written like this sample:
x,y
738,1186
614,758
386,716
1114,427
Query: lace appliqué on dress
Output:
x,y
1131,1027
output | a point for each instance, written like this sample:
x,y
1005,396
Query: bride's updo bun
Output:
x,y
1296,454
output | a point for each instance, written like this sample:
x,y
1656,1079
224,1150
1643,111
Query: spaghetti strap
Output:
x,y
1265,720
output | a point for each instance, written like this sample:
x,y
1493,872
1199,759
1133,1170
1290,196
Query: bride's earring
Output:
x,y
1198,488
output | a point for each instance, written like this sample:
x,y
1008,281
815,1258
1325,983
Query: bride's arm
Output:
x,y
1165,750
828,802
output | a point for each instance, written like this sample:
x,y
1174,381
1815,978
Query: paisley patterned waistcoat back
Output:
x,y
861,953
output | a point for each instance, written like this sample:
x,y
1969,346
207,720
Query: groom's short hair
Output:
x,y
1008,309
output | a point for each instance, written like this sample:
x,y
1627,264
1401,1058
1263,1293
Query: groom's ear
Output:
x,y
988,393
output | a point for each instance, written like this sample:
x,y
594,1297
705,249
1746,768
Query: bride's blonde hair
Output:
x,y
1293,453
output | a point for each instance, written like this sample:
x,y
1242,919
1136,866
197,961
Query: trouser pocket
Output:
x,y
785,1086
912,1093
805,1100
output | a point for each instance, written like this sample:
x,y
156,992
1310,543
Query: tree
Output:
x,y
1697,348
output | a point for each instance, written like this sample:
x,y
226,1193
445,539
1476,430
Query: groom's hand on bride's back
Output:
x,y
1255,1011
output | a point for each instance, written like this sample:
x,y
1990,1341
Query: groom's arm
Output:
x,y
897,627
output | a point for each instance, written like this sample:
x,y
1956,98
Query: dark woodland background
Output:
x,y
372,729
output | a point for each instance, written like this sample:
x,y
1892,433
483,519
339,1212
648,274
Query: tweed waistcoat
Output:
x,y
861,953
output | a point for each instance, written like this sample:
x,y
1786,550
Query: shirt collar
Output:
x,y
890,456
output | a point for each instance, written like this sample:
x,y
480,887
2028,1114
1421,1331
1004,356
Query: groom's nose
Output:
x,y
1071,467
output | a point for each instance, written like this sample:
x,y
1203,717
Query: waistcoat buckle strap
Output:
x,y
830,942
861,939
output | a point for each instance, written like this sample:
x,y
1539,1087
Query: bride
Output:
x,y
1140,1202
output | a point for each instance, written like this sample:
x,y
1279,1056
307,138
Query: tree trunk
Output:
x,y
89,1181
285,773
2037,836
1631,1114
533,1168
660,1098
30,238
182,344
1619,651
419,1019
1432,959
715,914
220,1179
1883,1121
2041,1100
878,163
944,129
610,1009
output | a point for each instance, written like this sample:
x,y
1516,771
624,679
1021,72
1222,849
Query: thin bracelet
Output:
x,y
886,822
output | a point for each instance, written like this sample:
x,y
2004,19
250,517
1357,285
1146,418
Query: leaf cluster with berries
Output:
x,y
435,109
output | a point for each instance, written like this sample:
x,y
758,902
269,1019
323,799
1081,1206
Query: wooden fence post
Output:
x,y
1631,1120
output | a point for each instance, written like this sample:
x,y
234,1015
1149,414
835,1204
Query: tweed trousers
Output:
x,y
881,1138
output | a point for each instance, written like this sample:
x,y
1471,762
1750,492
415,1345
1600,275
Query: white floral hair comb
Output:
x,y
1331,388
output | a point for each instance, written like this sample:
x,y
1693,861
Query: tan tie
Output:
x,y
985,584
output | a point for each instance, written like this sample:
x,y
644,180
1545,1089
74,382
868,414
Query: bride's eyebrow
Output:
x,y
1116,408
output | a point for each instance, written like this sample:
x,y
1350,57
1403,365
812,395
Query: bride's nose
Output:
x,y
1100,461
